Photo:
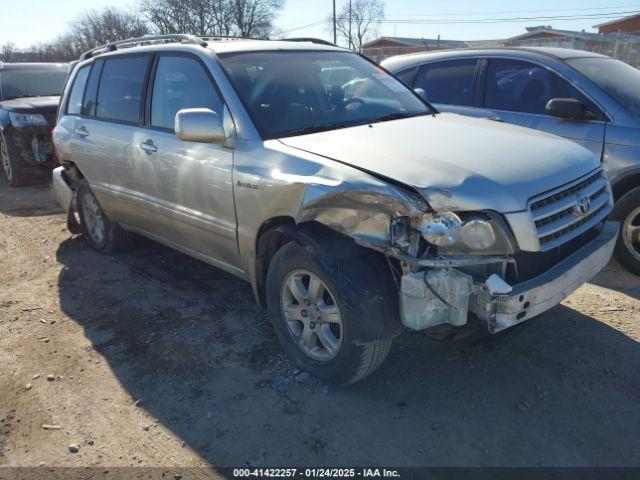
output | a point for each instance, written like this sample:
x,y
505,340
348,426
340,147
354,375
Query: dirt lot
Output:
x,y
158,359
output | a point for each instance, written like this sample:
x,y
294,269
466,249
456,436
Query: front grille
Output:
x,y
557,214
529,265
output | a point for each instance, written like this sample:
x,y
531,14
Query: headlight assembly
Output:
x,y
20,120
441,229
466,233
478,234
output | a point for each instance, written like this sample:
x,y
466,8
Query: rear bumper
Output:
x,y
541,293
59,184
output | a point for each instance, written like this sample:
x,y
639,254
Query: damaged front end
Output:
x,y
443,261
469,263
30,138
448,259
449,264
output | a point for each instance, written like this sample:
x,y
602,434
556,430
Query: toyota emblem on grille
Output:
x,y
583,206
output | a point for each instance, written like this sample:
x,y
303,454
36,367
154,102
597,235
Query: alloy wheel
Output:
x,y
312,315
93,218
6,163
631,232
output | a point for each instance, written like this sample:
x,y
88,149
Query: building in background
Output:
x,y
630,24
618,39
384,47
547,36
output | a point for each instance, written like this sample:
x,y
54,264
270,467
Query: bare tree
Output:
x,y
358,21
93,28
180,16
254,18
7,52
245,18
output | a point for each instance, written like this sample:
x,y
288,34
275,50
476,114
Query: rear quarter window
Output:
x,y
91,91
121,91
74,106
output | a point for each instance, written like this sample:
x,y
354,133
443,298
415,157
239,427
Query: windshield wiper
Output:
x,y
316,129
397,116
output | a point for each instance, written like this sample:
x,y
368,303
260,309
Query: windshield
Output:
x,y
32,82
297,92
620,80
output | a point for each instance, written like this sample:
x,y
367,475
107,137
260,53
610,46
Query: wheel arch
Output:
x,y
336,252
273,234
624,183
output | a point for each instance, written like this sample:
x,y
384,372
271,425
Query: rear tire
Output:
x,y
13,171
101,234
627,211
327,321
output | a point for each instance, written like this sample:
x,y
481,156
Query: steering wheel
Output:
x,y
351,101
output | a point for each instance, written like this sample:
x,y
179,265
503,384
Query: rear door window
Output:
x,y
181,82
74,107
450,82
120,96
521,86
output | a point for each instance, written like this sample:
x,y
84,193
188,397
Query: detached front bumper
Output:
x,y
66,198
62,189
541,293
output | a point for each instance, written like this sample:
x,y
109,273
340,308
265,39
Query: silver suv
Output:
x,y
352,206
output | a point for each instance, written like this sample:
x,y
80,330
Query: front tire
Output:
x,y
627,211
312,323
99,231
12,169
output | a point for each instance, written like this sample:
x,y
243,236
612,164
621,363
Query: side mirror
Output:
x,y
199,125
422,92
568,108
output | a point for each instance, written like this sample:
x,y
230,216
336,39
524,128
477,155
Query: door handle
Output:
x,y
82,131
148,147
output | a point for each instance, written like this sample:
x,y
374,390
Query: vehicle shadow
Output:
x,y
616,277
188,340
35,201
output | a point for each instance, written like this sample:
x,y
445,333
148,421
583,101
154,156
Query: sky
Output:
x,y
24,22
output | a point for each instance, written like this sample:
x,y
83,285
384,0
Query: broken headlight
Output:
x,y
465,233
20,120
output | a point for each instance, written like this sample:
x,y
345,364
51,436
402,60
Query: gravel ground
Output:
x,y
152,358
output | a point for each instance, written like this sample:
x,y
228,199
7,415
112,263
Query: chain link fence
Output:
x,y
623,46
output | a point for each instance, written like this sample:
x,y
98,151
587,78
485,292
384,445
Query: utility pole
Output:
x,y
335,36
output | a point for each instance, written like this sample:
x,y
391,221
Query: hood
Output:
x,y
457,162
31,105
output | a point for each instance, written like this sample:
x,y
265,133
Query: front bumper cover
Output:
x,y
541,293
63,191
66,197
33,146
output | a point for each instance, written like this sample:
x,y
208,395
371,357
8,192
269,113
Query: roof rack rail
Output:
x,y
311,40
222,38
130,42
